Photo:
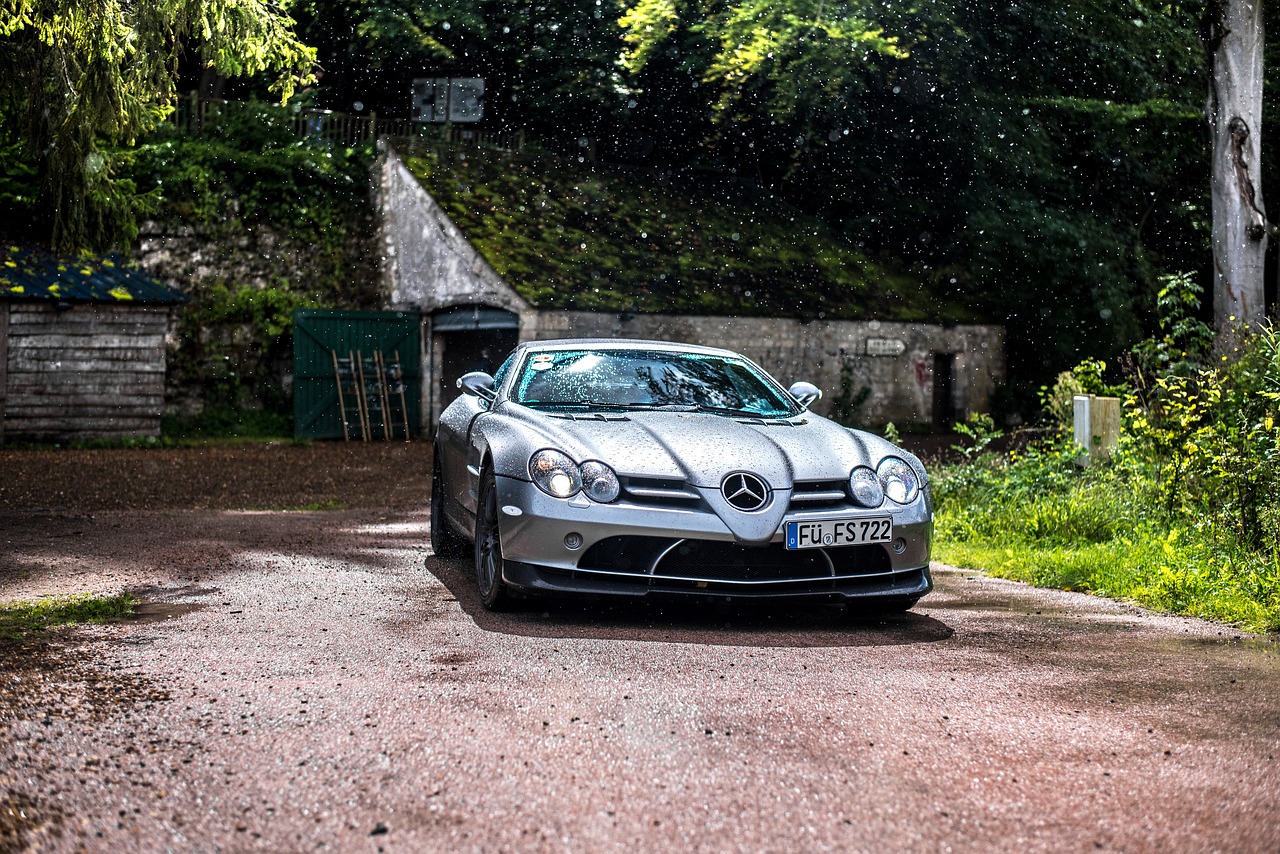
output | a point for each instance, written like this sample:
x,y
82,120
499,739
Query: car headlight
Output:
x,y
555,474
599,482
899,480
865,487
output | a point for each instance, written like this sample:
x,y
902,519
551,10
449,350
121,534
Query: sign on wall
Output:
x,y
886,347
447,99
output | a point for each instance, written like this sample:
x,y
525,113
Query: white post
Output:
x,y
1096,425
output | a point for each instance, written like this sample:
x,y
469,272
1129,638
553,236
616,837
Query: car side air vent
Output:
x,y
818,493
659,490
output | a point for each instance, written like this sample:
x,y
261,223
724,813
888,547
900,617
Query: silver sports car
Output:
x,y
646,469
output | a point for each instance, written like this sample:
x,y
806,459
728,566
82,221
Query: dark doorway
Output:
x,y
944,408
469,338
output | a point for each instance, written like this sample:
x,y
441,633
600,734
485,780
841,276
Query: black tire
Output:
x,y
488,548
444,542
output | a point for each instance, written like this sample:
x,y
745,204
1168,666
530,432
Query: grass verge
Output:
x,y
38,615
1097,541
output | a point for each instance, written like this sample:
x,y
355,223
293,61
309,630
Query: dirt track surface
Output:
x,y
305,680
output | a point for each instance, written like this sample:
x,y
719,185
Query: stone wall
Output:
x,y
871,372
893,362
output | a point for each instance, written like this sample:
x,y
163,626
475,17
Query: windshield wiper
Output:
x,y
738,413
574,404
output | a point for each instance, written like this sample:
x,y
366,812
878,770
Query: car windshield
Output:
x,y
648,379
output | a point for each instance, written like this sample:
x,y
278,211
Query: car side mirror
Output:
x,y
805,393
478,384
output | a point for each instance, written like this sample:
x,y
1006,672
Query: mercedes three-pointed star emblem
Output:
x,y
745,491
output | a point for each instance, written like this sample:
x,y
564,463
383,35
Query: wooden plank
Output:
x,y
81,400
106,354
27,312
89,310
4,363
26,321
56,435
76,391
106,373
103,373
95,413
103,385
25,315
47,425
55,365
89,341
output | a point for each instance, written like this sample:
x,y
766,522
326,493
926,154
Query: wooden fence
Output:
x,y
194,114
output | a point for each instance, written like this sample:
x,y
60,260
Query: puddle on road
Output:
x,y
156,612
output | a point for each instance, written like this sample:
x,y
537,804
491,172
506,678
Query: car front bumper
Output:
x,y
632,549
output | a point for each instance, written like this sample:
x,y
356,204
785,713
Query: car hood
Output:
x,y
702,448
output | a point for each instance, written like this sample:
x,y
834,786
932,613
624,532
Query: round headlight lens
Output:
x,y
865,487
899,480
600,482
555,474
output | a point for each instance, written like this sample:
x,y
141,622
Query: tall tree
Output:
x,y
1233,34
80,76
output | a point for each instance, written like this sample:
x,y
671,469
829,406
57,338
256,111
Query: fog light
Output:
x,y
899,546
573,542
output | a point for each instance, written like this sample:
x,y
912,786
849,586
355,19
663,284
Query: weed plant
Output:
x,y
1183,517
37,615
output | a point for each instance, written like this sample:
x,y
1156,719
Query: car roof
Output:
x,y
622,344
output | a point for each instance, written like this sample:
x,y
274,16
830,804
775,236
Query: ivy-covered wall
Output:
x,y
574,235
251,222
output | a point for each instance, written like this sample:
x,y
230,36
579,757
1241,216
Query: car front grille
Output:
x,y
709,561
712,561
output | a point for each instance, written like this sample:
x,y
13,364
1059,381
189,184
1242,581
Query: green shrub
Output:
x,y
1185,515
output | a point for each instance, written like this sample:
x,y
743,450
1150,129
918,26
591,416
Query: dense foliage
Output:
x,y
1041,162
77,78
1184,516
574,236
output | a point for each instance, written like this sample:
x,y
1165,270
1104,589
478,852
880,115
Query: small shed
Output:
x,y
82,346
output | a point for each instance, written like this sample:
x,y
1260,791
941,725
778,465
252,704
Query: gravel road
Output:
x,y
318,680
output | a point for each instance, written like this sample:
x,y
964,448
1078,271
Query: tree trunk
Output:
x,y
1233,35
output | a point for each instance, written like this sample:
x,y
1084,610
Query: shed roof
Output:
x,y
30,273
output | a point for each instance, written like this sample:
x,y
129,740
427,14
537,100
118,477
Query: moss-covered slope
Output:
x,y
581,237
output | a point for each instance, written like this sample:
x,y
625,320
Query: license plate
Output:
x,y
839,532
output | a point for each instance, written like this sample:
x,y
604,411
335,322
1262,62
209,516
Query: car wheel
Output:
x,y
488,547
444,542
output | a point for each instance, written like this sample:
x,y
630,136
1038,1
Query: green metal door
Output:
x,y
319,336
